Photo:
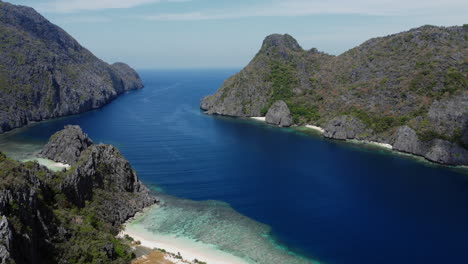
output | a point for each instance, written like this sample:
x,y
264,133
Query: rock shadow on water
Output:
x,y
216,223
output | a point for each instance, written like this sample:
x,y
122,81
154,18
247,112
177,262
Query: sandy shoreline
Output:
x,y
321,131
50,164
188,249
259,118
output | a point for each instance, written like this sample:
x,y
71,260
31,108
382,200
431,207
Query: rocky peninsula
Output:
x,y
408,90
71,216
45,73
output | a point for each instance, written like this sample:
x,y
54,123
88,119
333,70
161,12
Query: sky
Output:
x,y
170,34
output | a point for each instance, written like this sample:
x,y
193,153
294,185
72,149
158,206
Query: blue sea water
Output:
x,y
267,194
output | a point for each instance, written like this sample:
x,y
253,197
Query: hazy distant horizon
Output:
x,y
207,34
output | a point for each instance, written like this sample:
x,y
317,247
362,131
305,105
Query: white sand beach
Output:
x,y
321,130
50,164
372,143
188,248
317,128
259,118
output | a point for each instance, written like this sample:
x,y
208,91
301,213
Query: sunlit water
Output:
x,y
266,194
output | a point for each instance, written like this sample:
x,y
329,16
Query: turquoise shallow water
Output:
x,y
216,223
282,190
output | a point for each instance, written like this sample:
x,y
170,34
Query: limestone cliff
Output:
x,y
416,79
72,216
45,73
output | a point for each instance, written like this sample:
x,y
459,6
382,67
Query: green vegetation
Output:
x,y
304,113
425,134
283,81
454,81
89,238
376,122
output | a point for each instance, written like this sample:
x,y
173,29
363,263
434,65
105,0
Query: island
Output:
x,y
407,91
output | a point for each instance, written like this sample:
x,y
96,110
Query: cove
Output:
x,y
326,200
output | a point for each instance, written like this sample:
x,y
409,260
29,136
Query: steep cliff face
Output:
x,y
279,114
45,73
416,79
72,216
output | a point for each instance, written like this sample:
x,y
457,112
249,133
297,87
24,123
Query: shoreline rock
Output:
x,y
49,217
279,114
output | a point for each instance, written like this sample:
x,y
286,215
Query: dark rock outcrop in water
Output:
x,y
411,80
279,115
66,145
69,217
45,73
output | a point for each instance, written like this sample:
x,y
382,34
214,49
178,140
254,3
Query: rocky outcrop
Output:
x,y
52,217
406,140
445,152
440,151
31,224
45,73
102,167
66,145
6,237
417,79
98,167
345,127
248,92
279,115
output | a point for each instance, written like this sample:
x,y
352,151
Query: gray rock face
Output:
x,y
98,169
45,73
279,115
406,140
450,115
247,93
444,152
101,182
345,127
6,237
440,151
20,198
66,145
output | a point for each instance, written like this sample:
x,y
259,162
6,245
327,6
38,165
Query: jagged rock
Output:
x,y
444,152
345,127
247,93
102,168
66,145
37,204
279,115
440,151
98,168
21,193
281,45
406,140
45,73
6,237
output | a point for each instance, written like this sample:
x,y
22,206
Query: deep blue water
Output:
x,y
332,201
